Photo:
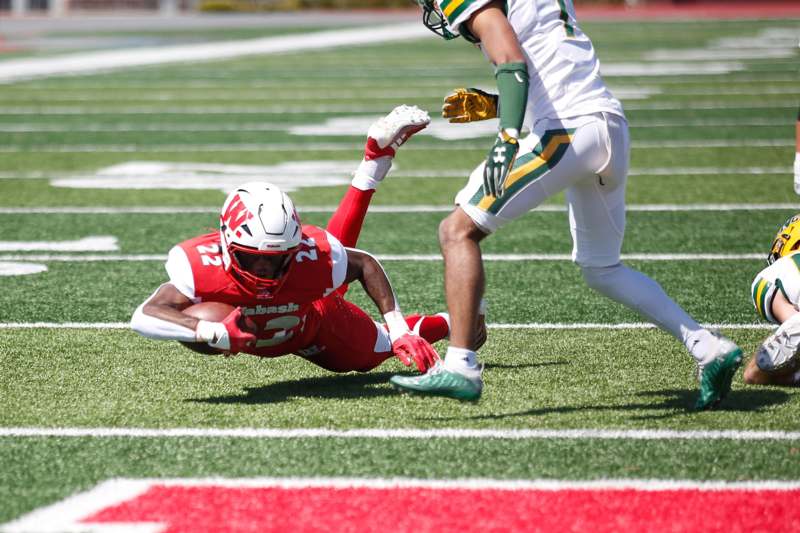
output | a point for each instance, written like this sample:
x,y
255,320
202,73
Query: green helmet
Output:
x,y
434,19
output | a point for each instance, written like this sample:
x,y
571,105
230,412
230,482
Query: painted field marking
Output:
x,y
324,109
105,243
380,209
463,173
347,146
365,504
534,325
67,258
21,269
634,172
141,175
161,96
280,126
410,433
90,62
199,82
99,243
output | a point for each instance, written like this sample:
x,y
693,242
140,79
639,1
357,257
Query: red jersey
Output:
x,y
286,322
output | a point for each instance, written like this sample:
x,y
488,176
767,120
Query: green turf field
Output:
x,y
710,174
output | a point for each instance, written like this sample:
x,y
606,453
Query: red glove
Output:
x,y
239,338
227,335
411,347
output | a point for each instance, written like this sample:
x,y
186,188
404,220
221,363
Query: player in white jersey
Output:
x,y
776,297
548,79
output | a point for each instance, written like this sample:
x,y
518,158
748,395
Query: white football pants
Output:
x,y
588,156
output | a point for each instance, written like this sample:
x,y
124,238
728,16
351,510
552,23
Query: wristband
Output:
x,y
512,86
209,332
397,324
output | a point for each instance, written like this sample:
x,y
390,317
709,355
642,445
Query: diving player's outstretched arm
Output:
x,y
406,345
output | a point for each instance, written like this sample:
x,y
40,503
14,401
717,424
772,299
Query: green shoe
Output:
x,y
716,376
440,382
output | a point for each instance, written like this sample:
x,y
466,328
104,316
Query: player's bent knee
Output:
x,y
458,227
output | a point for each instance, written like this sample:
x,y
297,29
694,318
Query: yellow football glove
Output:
x,y
469,105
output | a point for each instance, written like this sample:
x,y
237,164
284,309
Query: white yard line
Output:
x,y
93,258
103,61
534,326
127,95
332,108
323,109
463,173
191,81
20,127
347,146
376,433
382,209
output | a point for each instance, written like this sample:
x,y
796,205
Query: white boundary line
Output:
x,y
422,208
91,258
410,433
534,325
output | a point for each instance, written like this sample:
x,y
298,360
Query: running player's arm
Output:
x,y
491,27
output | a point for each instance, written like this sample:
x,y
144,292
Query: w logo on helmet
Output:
x,y
235,214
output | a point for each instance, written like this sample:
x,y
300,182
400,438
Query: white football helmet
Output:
x,y
259,232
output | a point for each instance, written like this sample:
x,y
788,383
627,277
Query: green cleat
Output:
x,y
439,381
716,376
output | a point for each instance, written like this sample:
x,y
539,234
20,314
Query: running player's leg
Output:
x,y
597,222
549,160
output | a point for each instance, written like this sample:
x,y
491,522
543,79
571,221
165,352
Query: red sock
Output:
x,y
346,222
432,328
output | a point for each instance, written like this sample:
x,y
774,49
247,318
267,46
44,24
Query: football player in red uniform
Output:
x,y
285,281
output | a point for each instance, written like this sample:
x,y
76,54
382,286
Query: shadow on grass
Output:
x,y
338,386
675,402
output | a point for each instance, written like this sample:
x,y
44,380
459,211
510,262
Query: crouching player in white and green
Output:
x,y
776,296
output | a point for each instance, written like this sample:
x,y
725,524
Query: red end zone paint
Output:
x,y
186,508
